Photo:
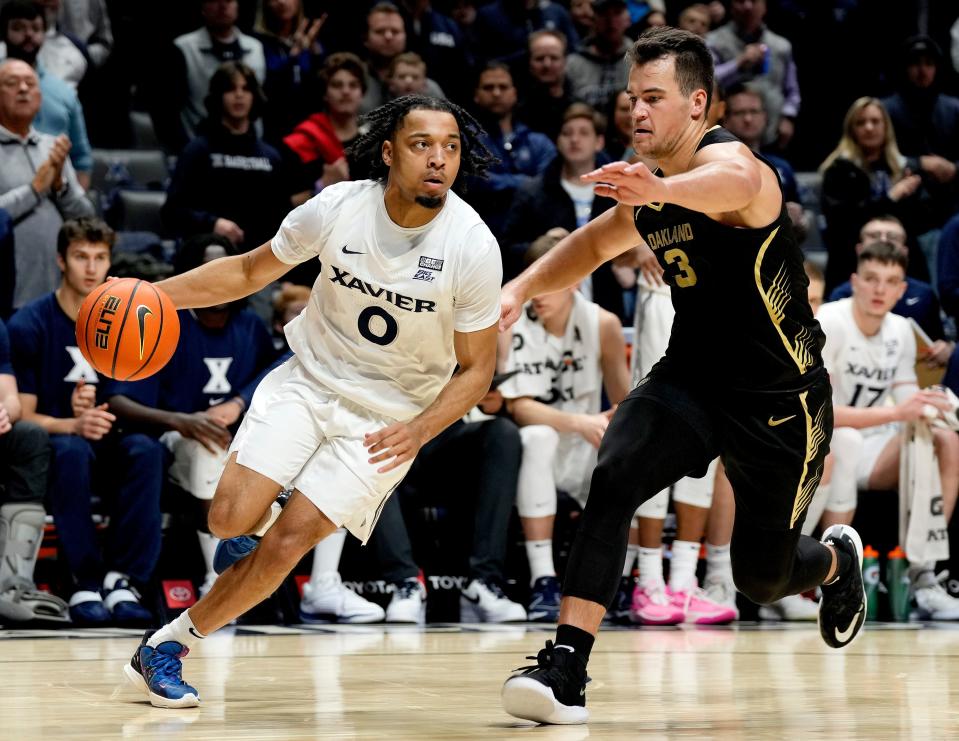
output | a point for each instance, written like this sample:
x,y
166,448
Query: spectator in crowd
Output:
x,y
227,180
464,13
865,176
89,22
23,27
919,301
870,355
522,153
287,304
483,456
406,75
62,55
292,54
745,50
440,43
24,460
596,69
581,13
197,401
926,121
567,350
948,273
502,26
58,391
695,19
38,187
548,92
8,265
619,128
557,198
182,82
385,39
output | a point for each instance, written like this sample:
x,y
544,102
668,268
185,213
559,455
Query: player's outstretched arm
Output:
x,y
571,260
224,280
401,441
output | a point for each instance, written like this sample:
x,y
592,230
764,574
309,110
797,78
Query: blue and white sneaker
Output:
x,y
544,601
123,600
87,609
157,673
231,550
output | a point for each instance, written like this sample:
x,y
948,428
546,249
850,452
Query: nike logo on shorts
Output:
x,y
843,635
776,422
142,312
348,251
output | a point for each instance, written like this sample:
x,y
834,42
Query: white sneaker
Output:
x,y
795,607
330,601
721,591
485,602
933,601
408,604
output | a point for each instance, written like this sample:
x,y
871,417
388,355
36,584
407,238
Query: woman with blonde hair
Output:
x,y
865,176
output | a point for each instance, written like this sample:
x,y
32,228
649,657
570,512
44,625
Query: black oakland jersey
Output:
x,y
742,314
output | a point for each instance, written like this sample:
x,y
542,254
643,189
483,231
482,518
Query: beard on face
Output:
x,y
429,201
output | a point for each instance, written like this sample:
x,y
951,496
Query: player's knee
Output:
x,y
762,588
947,446
226,520
286,546
539,440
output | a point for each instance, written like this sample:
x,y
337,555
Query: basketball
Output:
x,y
127,329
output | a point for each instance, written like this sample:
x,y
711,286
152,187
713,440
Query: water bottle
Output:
x,y
897,582
870,576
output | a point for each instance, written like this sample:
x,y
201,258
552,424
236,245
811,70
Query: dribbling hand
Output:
x,y
400,441
632,185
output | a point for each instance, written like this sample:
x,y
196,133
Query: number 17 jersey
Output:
x,y
378,327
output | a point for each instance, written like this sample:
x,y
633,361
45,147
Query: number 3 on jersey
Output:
x,y
381,332
686,276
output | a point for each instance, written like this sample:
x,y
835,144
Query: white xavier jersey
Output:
x,y
378,328
564,372
863,369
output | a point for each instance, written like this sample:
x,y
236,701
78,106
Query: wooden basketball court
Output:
x,y
385,682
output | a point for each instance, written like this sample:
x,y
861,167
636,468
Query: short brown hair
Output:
x,y
342,60
407,57
694,62
584,110
85,229
885,253
543,244
558,35
289,294
813,271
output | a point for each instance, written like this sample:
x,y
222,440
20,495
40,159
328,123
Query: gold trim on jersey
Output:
x,y
775,300
809,481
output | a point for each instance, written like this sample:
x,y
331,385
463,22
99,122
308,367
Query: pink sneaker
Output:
x,y
652,606
698,609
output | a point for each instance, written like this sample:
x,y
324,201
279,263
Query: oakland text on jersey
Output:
x,y
346,279
670,235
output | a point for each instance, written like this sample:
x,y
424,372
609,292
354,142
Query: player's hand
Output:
x,y
511,306
905,187
205,430
914,407
5,424
228,229
400,441
94,423
82,397
937,355
225,414
592,427
633,185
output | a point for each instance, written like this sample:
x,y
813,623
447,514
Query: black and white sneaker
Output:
x,y
842,610
553,691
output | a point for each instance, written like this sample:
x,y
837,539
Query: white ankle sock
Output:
x,y
182,630
540,555
275,510
208,544
682,565
718,563
631,551
650,565
326,556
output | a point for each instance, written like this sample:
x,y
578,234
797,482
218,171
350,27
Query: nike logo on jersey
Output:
x,y
776,422
844,635
912,301
142,313
348,251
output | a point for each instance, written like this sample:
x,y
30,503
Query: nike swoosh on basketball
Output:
x,y
843,636
776,422
348,251
142,312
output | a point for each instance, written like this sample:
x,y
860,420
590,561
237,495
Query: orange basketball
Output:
x,y
127,329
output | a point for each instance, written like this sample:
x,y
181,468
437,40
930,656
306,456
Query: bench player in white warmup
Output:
x,y
408,289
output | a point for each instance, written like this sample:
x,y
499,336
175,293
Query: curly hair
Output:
x,y
365,154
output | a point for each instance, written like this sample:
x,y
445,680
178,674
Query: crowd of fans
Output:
x,y
253,106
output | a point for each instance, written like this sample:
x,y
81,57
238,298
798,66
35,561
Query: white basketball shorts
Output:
x,y
873,441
